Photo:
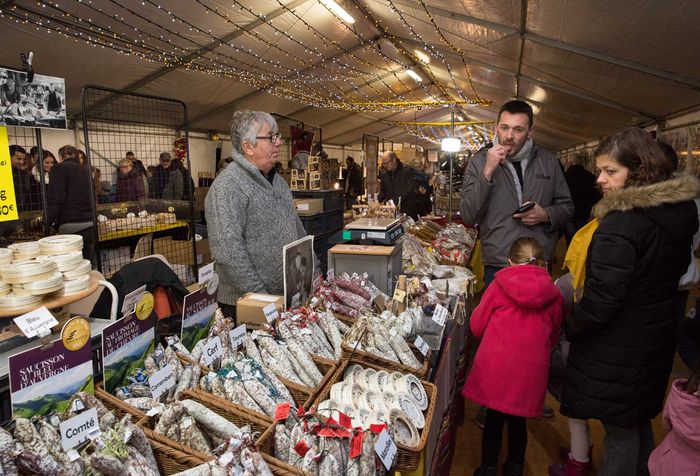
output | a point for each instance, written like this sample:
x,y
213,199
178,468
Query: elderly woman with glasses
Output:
x,y
250,213
129,182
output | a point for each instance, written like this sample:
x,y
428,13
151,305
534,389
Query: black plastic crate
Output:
x,y
332,199
321,223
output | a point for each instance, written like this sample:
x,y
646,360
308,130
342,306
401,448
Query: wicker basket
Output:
x,y
301,394
407,457
171,456
266,446
363,357
240,417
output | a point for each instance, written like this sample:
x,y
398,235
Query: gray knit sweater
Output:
x,y
248,222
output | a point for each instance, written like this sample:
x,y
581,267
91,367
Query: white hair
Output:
x,y
245,126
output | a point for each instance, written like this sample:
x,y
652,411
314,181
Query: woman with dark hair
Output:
x,y
47,163
623,330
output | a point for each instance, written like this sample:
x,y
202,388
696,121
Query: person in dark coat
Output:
x,y
623,331
69,207
402,182
584,192
129,182
353,182
162,176
26,190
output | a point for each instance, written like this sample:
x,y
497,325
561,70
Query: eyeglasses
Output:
x,y
272,137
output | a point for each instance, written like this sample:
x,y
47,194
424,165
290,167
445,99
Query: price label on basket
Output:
x,y
162,381
386,449
76,430
36,323
330,275
212,350
422,346
271,312
237,336
440,314
132,299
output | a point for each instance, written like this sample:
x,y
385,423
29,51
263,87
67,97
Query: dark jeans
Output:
x,y
492,438
626,450
229,310
685,346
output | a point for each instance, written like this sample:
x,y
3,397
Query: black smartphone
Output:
x,y
524,207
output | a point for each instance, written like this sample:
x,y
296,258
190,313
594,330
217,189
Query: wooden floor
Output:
x,y
545,435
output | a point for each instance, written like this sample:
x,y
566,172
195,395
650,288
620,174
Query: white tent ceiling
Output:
x,y
588,67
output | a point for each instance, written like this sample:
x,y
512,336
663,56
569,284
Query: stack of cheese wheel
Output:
x,y
31,270
369,396
30,280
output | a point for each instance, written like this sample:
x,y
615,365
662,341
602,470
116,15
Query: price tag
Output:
x,y
271,312
282,411
440,314
330,275
303,207
399,295
205,273
421,345
162,381
132,299
78,429
386,449
38,322
296,300
356,445
344,420
237,336
212,350
301,448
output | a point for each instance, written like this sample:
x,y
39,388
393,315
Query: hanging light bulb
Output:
x,y
451,144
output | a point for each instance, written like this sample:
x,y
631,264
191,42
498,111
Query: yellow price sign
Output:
x,y
8,202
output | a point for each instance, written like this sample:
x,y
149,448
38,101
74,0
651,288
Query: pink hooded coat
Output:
x,y
518,321
679,453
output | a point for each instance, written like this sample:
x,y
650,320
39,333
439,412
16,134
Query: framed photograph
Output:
x,y
298,263
41,103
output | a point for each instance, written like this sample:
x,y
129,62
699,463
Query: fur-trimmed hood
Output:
x,y
678,189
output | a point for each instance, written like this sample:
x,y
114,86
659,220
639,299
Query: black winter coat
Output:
x,y
69,193
403,183
623,331
584,192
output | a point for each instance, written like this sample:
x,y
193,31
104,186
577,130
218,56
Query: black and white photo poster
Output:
x,y
298,263
41,103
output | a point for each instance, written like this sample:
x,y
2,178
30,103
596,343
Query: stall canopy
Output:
x,y
393,69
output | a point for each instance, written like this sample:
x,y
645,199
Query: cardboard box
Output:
x,y
308,206
299,174
249,308
298,184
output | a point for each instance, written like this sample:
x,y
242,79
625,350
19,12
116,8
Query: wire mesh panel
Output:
x,y
29,183
138,146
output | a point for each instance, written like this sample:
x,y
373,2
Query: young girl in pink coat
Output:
x,y
518,321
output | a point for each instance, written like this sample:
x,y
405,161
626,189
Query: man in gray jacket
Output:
x,y
497,181
513,172
250,213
